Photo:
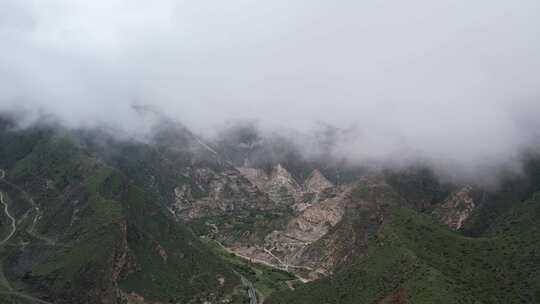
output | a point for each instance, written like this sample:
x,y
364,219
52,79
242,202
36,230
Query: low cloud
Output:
x,y
454,83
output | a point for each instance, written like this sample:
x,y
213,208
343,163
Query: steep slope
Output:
x,y
89,231
513,188
244,145
414,260
91,218
308,237
298,216
457,208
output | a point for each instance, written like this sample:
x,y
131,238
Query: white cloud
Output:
x,y
445,79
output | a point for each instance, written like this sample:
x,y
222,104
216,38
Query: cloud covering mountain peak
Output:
x,y
448,81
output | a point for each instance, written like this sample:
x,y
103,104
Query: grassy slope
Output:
x,y
417,260
185,267
513,188
266,280
246,226
62,177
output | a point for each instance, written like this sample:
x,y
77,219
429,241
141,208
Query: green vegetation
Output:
x,y
420,188
92,223
172,264
98,228
248,226
56,159
266,280
93,238
10,298
415,260
513,188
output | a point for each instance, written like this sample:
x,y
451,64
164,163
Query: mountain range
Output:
x,y
89,217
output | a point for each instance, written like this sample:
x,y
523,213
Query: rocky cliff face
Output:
x,y
279,185
326,226
457,208
107,224
316,207
219,193
316,182
309,226
332,228
283,189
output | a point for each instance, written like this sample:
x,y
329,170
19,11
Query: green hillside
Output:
x,y
95,223
87,232
414,260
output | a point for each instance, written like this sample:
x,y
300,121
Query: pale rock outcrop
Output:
x,y
284,248
256,176
217,193
182,197
316,182
280,186
457,208
312,190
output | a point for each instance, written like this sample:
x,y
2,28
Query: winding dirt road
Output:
x,y
11,218
257,261
6,284
6,211
32,229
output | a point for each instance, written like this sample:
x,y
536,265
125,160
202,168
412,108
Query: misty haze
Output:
x,y
280,152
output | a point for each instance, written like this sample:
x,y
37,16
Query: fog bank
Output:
x,y
454,83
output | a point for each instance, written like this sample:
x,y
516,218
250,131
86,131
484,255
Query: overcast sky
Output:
x,y
440,79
